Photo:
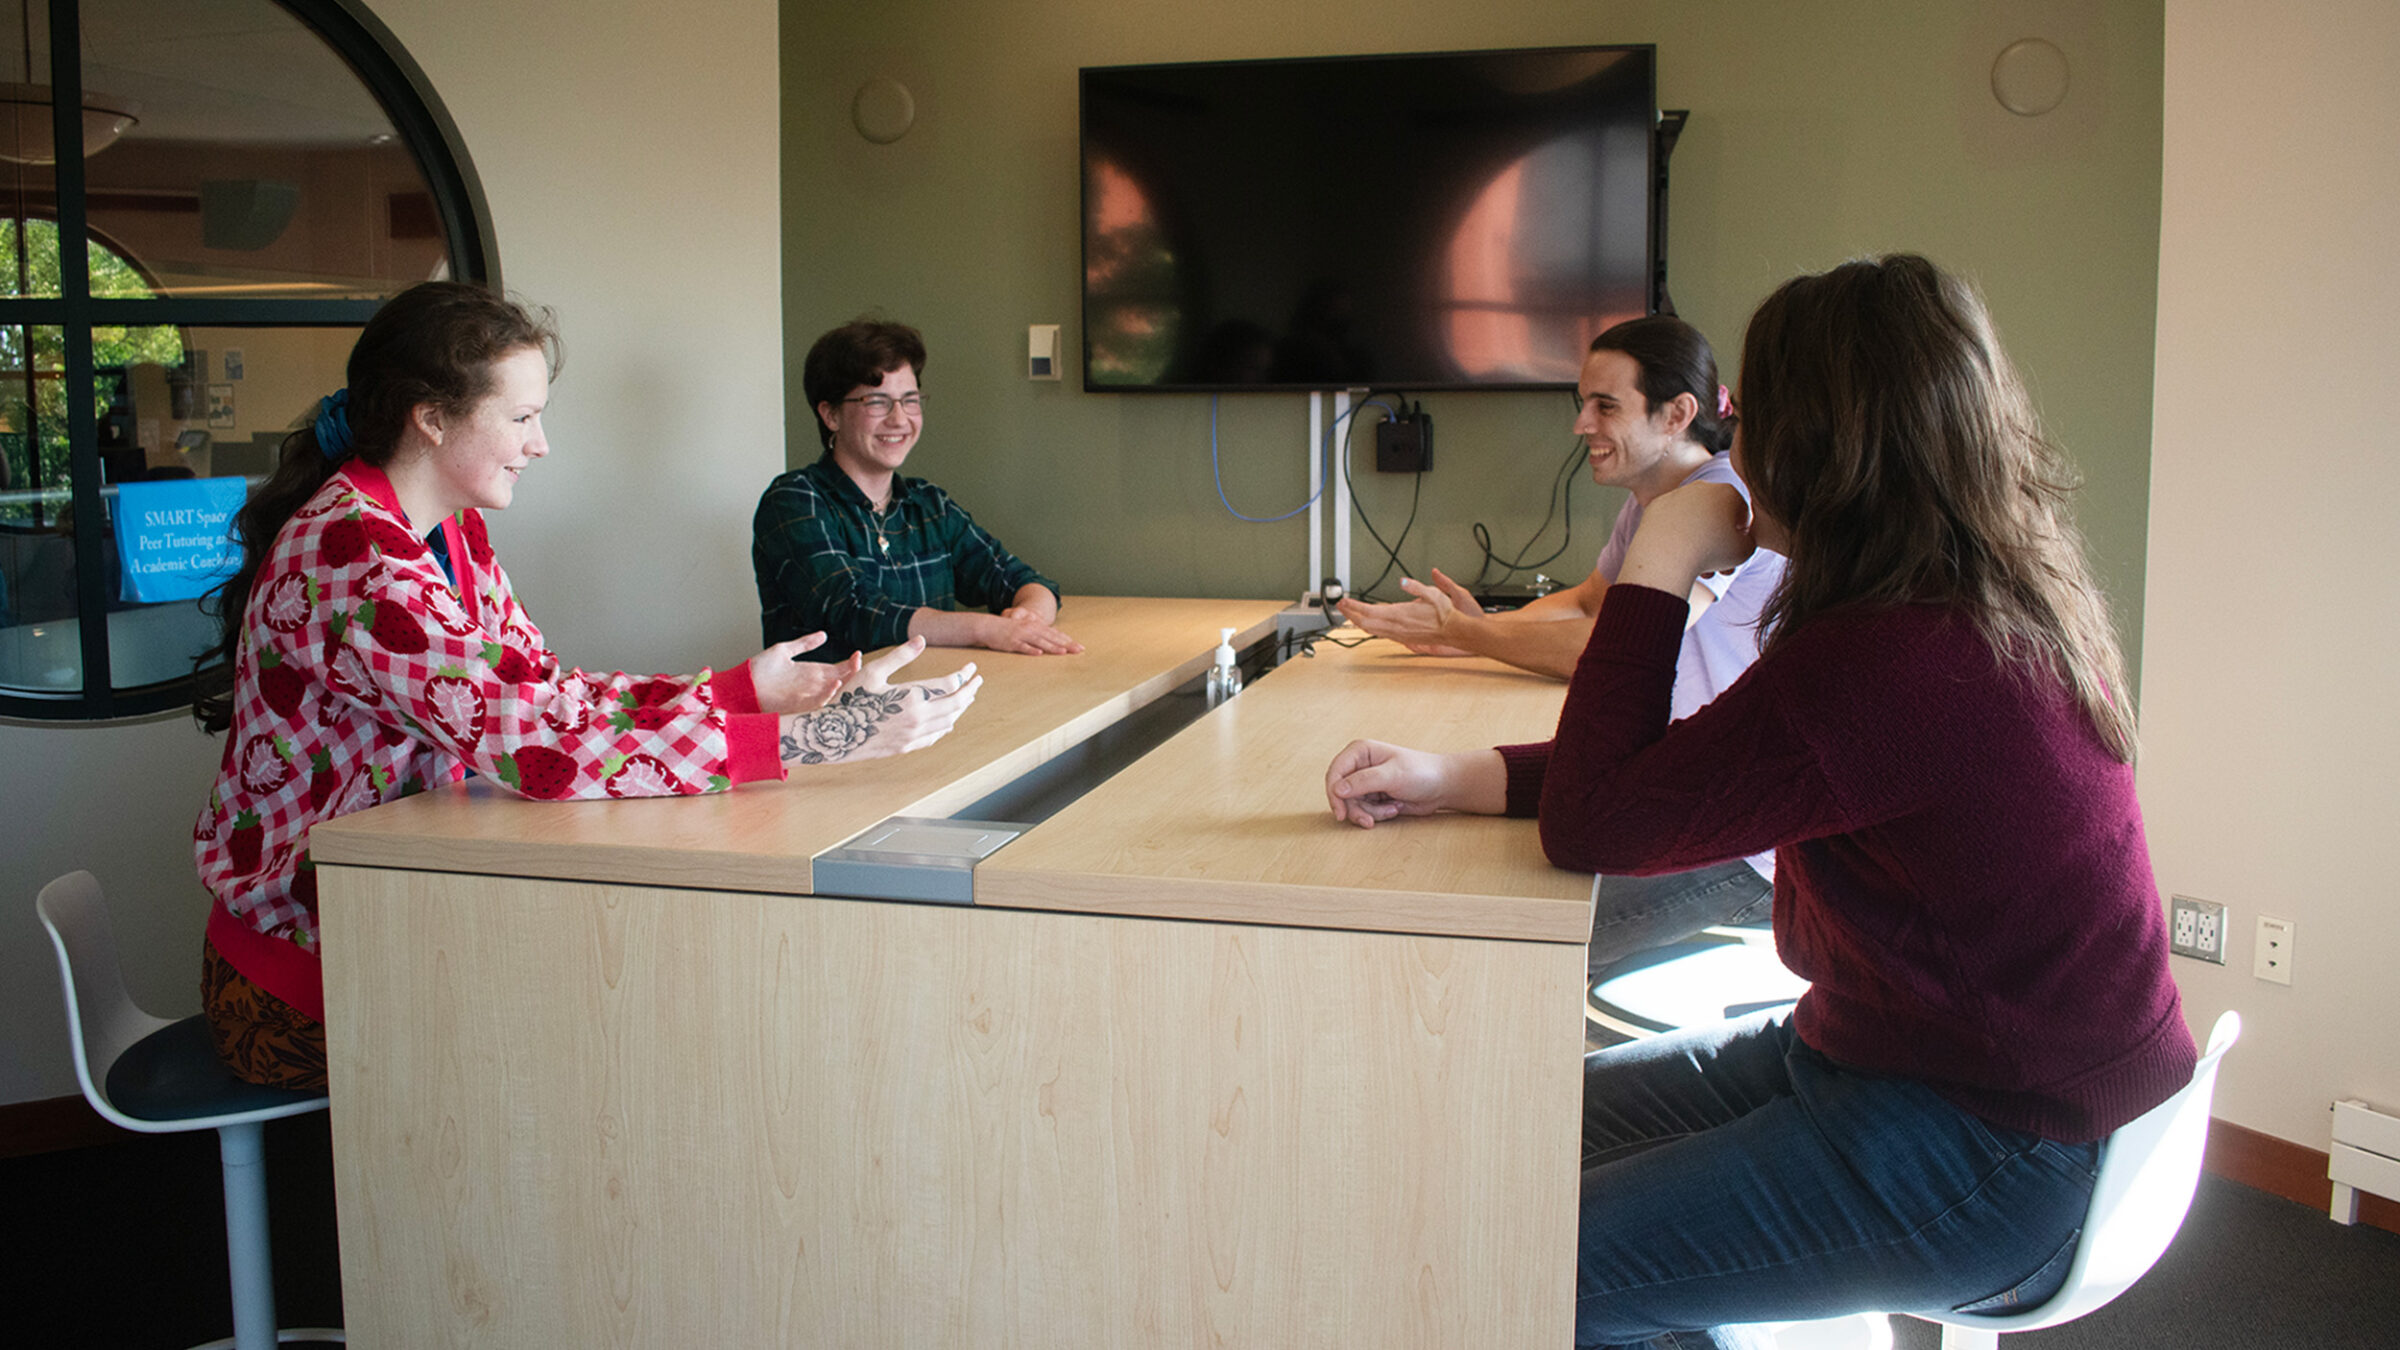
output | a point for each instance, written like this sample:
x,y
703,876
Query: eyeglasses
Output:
x,y
881,405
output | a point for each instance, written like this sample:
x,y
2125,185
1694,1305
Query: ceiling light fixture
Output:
x,y
25,135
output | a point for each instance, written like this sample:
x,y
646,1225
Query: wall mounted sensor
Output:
x,y
1041,351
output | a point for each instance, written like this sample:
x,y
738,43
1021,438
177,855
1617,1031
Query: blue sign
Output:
x,y
175,537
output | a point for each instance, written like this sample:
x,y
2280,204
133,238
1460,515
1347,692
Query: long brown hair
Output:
x,y
434,343
1883,426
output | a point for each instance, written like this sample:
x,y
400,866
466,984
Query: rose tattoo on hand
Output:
x,y
836,731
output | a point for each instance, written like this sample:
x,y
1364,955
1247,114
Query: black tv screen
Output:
x,y
1463,220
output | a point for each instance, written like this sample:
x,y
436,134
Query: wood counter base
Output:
x,y
937,1126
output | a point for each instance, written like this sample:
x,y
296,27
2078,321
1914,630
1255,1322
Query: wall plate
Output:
x,y
2196,928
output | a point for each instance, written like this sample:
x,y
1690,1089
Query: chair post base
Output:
x,y
249,1250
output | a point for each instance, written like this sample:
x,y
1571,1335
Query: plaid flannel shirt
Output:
x,y
825,562
362,676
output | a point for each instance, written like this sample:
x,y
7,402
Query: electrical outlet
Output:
x,y
2272,958
2198,929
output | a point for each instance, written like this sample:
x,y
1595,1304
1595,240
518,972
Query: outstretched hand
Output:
x,y
787,684
1462,604
1422,625
873,718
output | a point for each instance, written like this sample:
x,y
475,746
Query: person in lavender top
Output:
x,y
1653,418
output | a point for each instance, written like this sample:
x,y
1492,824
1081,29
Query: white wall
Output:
x,y
629,152
2270,641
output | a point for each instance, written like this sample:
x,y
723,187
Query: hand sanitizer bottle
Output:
x,y
1224,678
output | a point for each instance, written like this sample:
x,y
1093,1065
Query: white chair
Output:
x,y
159,1076
2148,1171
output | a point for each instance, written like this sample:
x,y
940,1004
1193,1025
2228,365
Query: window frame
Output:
x,y
423,126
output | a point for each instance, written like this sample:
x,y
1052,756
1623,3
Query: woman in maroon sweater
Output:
x,y
1937,742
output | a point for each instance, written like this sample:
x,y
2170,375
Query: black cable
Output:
x,y
1483,537
1391,551
1561,494
1306,643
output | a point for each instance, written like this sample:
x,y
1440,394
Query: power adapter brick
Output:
x,y
1404,444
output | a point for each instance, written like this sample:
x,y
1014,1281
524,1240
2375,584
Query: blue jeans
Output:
x,y
1733,1175
1634,914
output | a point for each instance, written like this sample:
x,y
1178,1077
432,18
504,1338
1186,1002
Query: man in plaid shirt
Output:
x,y
872,558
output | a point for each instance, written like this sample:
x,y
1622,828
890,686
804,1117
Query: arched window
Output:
x,y
199,206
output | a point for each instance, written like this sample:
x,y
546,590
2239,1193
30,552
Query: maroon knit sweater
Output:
x,y
1959,862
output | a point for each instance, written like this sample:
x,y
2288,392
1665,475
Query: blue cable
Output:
x,y
1325,454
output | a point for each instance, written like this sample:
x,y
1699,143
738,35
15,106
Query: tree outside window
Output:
x,y
33,395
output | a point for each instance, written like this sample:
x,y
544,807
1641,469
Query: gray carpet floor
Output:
x,y
2249,1271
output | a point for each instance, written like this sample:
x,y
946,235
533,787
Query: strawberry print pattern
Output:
x,y
445,610
643,776
365,676
284,686
284,606
456,705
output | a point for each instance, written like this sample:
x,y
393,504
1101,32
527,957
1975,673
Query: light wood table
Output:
x,y
760,837
1200,1066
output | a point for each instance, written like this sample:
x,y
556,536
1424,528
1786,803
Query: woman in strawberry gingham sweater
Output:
x,y
377,650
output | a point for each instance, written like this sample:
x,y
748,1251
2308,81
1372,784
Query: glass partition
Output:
x,y
259,164
253,178
28,184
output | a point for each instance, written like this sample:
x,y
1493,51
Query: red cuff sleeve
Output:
x,y
733,689
1527,764
753,747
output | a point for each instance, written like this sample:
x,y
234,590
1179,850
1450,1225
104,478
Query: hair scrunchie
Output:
x,y
1724,403
333,425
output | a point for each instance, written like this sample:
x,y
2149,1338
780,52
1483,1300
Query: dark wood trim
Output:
x,y
2280,1167
52,1124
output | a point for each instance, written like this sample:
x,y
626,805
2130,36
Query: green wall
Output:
x,y
1819,131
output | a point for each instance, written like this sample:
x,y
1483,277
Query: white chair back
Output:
x,y
102,1018
2149,1169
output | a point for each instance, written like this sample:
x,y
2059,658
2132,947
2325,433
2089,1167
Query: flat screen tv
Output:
x,y
1462,220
